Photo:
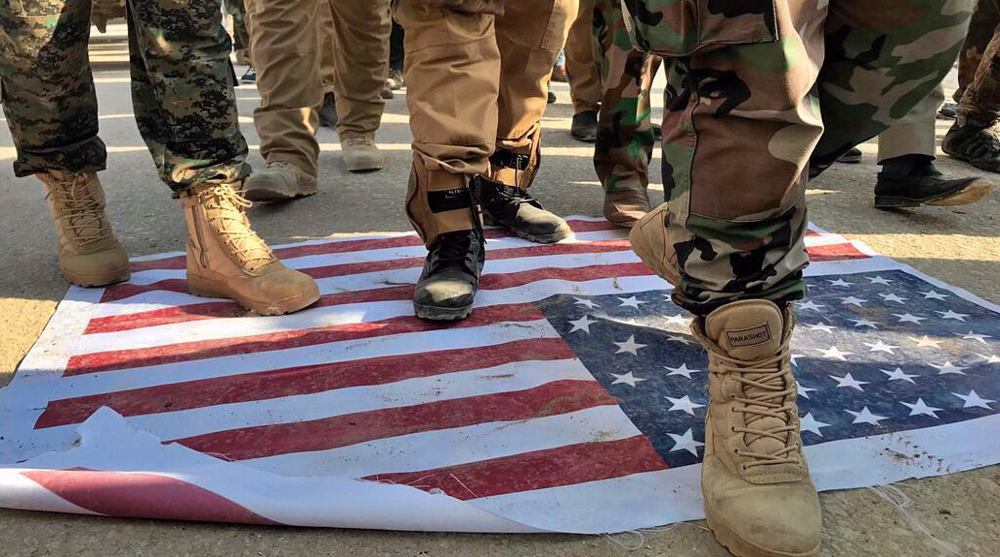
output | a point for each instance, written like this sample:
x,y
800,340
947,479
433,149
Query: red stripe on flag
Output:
x,y
557,397
126,290
208,310
835,252
198,350
142,495
568,465
299,380
179,262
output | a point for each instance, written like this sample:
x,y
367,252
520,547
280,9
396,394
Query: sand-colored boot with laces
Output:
x,y
226,258
89,254
649,241
759,499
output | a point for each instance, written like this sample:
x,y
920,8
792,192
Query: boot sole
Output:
x,y
437,313
265,196
741,548
364,167
208,289
86,280
972,192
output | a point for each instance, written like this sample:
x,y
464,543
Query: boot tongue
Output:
x,y
748,331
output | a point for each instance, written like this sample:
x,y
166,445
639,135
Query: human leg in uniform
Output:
x,y
625,135
291,93
188,122
742,118
529,37
583,74
906,154
975,135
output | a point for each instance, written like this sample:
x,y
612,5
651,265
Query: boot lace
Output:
x,y
773,398
225,209
81,211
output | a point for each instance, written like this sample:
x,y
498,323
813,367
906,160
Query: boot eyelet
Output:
x,y
732,428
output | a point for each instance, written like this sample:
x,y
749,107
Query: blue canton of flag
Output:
x,y
873,353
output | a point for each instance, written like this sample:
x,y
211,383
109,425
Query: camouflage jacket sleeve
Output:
x,y
684,27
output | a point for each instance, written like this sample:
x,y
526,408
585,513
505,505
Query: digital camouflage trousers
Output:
x,y
182,88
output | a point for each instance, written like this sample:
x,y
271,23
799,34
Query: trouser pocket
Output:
x,y
685,27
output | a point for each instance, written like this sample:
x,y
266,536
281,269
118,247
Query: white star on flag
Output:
x,y
680,339
794,359
899,375
892,298
631,302
881,347
839,282
683,404
909,318
809,305
952,315
809,423
926,341
990,359
920,408
582,324
974,400
848,381
803,390
835,353
821,327
626,378
585,302
679,319
879,280
685,442
946,368
853,301
932,295
683,370
865,417
630,346
975,336
864,323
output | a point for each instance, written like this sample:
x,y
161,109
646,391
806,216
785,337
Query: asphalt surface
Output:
x,y
959,245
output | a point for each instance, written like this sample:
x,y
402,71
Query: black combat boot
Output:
x,y
975,144
912,180
447,287
584,126
516,210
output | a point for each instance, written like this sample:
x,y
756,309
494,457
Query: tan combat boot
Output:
x,y
89,254
361,154
279,181
625,208
226,258
649,241
759,499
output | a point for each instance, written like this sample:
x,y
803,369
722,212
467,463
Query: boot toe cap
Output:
x,y
96,269
445,293
780,522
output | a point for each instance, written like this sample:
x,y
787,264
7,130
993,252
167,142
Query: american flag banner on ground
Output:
x,y
573,399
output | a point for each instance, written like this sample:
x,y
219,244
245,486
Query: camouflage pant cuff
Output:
x,y
791,289
89,155
220,174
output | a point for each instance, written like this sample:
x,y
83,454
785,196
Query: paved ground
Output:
x,y
960,246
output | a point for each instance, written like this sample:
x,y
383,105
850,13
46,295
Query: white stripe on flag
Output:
x,y
460,445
